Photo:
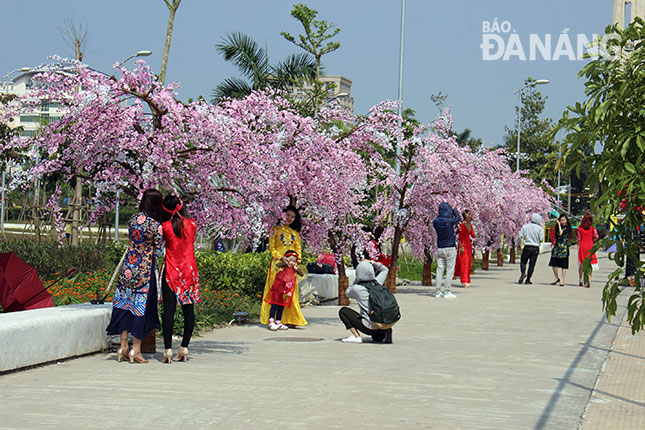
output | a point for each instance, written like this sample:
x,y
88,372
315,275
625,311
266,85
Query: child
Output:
x,y
281,292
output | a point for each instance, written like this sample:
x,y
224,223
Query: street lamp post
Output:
x,y
118,192
519,111
4,81
400,92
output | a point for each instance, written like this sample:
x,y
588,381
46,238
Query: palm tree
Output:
x,y
253,62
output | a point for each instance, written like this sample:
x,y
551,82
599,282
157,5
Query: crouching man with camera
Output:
x,y
378,308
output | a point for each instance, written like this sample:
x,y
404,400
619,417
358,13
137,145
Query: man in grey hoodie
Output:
x,y
366,271
532,233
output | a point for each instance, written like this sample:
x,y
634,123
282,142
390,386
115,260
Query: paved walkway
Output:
x,y
500,356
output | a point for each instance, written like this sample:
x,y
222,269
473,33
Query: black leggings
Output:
x,y
276,312
169,308
353,319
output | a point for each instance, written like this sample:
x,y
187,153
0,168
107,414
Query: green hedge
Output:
x,y
50,257
244,273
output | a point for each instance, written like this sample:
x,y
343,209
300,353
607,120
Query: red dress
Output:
x,y
181,267
585,243
462,267
281,292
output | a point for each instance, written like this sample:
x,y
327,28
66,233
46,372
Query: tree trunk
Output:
x,y
343,280
500,257
472,264
76,214
172,8
343,284
390,281
485,255
149,344
427,273
512,252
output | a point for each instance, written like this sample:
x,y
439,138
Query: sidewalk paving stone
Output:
x,y
500,356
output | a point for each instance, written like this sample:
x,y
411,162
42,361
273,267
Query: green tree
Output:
x,y
253,62
465,139
317,42
611,121
539,152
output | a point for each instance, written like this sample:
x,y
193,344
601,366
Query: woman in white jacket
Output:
x,y
355,322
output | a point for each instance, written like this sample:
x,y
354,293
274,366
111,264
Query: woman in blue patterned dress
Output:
x,y
562,237
134,309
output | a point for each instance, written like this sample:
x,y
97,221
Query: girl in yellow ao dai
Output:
x,y
284,238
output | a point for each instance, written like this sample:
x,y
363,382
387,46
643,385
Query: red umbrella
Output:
x,y
20,286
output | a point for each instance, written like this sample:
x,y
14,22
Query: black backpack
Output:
x,y
384,310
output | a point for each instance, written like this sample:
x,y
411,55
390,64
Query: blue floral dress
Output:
x,y
134,308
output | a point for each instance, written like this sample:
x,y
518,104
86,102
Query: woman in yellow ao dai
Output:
x,y
284,238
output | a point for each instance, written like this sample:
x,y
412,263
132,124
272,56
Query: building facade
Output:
x,y
31,122
625,11
341,91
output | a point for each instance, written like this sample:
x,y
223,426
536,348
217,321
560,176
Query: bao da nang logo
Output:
x,y
500,42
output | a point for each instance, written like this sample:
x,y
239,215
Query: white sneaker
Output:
x,y
449,295
438,294
273,327
352,339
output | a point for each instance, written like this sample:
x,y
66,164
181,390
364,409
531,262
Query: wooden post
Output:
x,y
485,255
149,344
427,269
343,284
512,253
500,257
472,265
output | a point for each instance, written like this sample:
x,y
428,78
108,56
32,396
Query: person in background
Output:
x,y
465,252
587,235
562,237
531,233
444,225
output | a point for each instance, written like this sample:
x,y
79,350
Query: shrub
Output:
x,y
239,273
49,257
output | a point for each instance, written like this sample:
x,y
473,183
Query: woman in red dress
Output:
x,y
180,279
587,235
465,252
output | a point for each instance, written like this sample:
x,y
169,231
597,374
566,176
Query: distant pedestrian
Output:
x,y
561,240
531,233
367,273
444,225
587,235
465,251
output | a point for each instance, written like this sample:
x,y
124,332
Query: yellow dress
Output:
x,y
284,238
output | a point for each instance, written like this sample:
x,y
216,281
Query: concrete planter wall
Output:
x,y
42,335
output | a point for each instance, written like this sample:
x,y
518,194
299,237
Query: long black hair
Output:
x,y
296,224
170,204
567,230
151,204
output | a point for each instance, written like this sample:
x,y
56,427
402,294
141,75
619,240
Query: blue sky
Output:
x,y
442,46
